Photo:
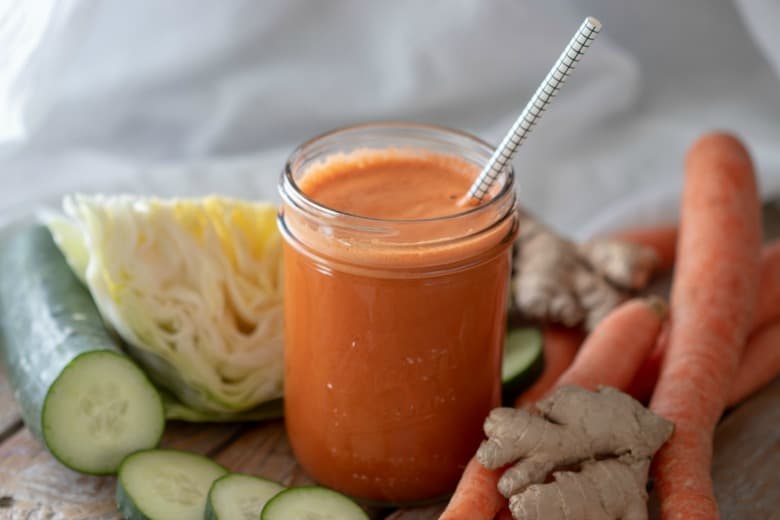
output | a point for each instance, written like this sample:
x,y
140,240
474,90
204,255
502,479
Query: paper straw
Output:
x,y
535,108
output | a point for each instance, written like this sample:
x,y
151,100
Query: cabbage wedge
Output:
x,y
192,286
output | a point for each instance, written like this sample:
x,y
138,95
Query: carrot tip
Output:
x,y
715,143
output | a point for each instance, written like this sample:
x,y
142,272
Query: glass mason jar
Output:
x,y
393,328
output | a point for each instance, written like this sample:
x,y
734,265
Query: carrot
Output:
x,y
767,310
760,363
661,239
477,496
713,296
560,348
614,351
641,388
768,304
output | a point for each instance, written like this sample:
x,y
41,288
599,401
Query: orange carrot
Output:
x,y
614,351
767,310
477,496
560,348
628,333
641,388
713,296
760,363
661,239
768,303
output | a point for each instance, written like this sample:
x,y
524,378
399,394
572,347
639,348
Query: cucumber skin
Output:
x,y
511,389
47,320
126,506
210,513
518,383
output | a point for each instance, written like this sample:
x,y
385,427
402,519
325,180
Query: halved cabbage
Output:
x,y
193,286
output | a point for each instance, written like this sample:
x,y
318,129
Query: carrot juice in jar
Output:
x,y
395,306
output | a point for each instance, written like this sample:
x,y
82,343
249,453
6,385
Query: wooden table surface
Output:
x,y
33,485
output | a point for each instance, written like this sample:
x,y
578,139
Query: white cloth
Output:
x,y
177,97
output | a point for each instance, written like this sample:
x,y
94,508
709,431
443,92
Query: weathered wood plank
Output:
x,y
746,466
205,439
264,450
37,486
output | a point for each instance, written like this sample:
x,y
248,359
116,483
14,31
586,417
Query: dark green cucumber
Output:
x,y
165,485
88,402
523,361
312,502
239,497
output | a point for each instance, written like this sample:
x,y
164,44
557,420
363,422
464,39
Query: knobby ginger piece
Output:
x,y
559,281
605,436
627,265
602,490
543,279
596,295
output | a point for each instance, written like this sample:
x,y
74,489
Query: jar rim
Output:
x,y
292,193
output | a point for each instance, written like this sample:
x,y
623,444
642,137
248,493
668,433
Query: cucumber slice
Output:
x,y
239,497
98,410
88,402
312,503
165,484
523,361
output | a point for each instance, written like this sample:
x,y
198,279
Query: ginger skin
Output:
x,y
559,281
603,490
607,433
626,265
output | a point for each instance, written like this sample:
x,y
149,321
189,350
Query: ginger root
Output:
x,y
596,447
559,281
607,489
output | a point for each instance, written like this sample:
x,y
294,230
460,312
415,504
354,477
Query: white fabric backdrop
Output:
x,y
182,97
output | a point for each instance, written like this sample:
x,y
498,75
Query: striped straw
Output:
x,y
535,107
